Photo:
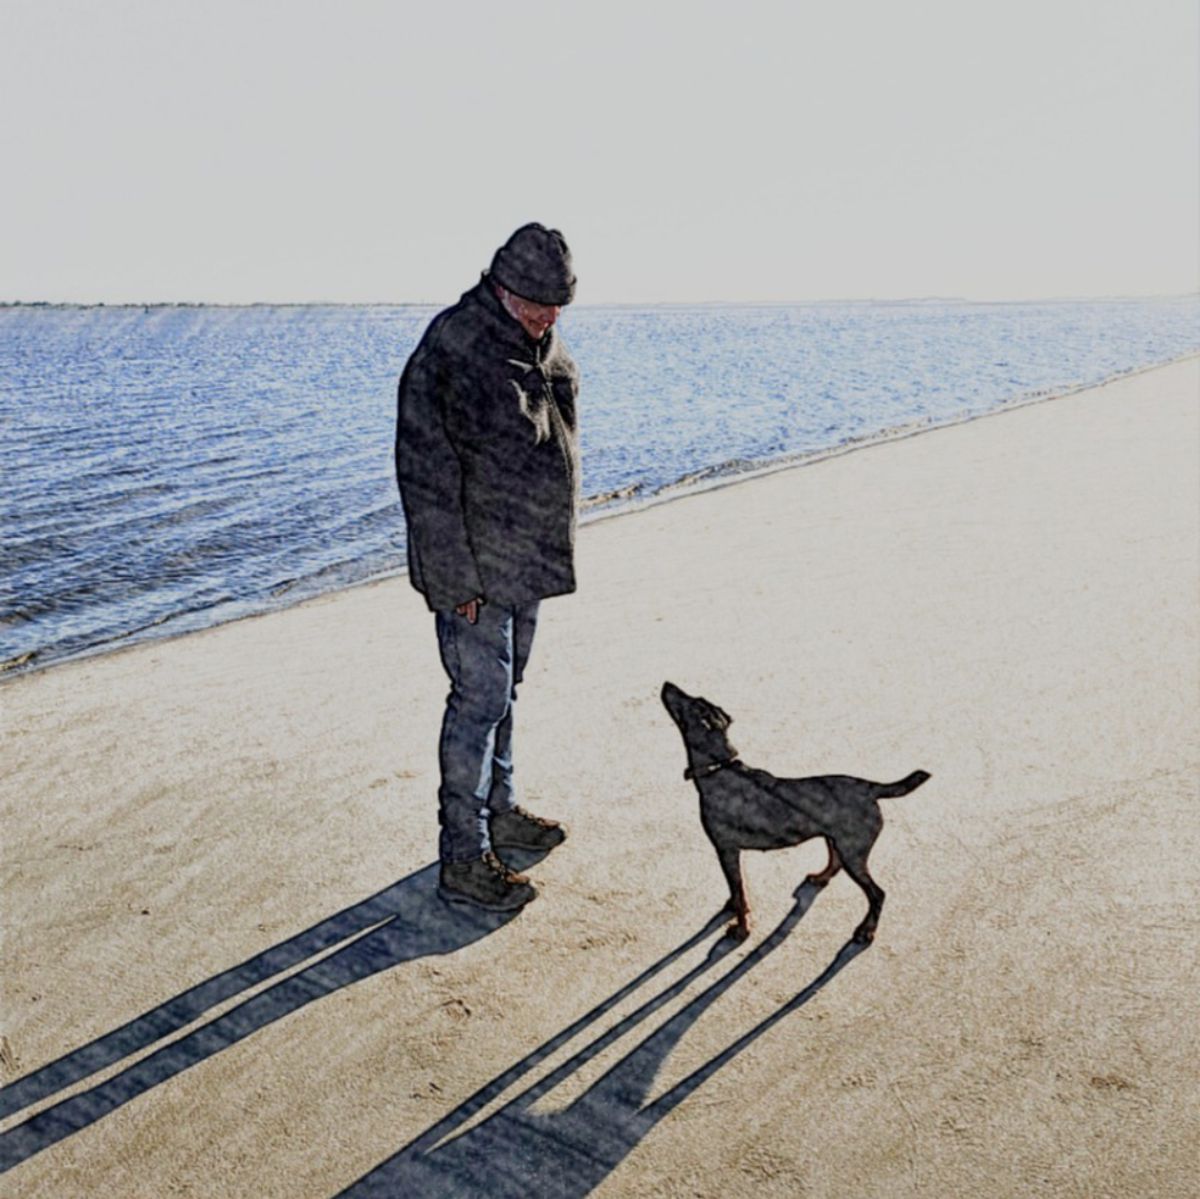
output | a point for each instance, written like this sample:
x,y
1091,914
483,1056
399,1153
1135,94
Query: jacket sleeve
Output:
x,y
430,478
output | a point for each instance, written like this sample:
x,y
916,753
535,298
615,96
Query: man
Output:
x,y
487,461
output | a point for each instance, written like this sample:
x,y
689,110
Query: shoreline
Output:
x,y
593,510
673,491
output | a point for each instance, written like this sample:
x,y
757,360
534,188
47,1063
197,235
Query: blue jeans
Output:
x,y
485,661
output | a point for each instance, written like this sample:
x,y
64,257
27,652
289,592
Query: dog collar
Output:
x,y
701,772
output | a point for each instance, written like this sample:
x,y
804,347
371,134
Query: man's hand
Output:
x,y
470,609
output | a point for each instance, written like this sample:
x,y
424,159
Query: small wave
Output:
x,y
385,518
197,509
344,572
616,495
719,470
284,586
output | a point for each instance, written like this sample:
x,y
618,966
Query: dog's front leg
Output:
x,y
731,864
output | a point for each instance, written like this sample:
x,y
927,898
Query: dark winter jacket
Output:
x,y
487,458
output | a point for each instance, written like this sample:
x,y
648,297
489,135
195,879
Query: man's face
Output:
x,y
535,319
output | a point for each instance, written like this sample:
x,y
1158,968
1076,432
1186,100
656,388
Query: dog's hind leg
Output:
x,y
731,864
835,864
856,868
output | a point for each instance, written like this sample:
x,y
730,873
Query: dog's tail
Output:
x,y
903,787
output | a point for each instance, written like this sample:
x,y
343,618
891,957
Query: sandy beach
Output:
x,y
226,972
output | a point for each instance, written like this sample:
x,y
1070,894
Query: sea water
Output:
x,y
170,467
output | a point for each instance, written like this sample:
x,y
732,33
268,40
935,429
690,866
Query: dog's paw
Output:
x,y
815,880
864,935
736,932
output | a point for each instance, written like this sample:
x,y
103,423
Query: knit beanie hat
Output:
x,y
535,264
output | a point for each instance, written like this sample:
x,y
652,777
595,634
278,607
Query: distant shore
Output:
x,y
715,303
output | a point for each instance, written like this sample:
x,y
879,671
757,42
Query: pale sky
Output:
x,y
378,150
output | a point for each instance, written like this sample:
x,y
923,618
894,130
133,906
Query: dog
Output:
x,y
742,808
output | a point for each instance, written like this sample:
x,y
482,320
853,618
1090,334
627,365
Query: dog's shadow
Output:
x,y
565,1154
513,1151
404,922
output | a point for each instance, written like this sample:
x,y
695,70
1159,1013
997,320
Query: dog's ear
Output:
x,y
716,717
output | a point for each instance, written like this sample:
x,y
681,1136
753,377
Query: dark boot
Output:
x,y
519,829
486,883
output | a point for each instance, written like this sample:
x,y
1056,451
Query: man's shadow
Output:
x,y
565,1154
404,922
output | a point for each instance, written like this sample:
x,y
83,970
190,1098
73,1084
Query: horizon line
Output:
x,y
920,299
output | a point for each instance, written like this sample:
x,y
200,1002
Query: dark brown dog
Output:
x,y
741,808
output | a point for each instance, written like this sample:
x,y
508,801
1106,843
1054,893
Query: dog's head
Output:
x,y
702,724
